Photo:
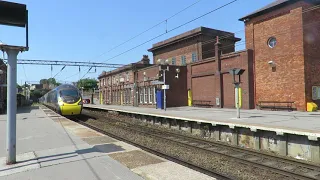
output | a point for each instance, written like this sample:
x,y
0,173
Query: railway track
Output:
x,y
158,153
287,167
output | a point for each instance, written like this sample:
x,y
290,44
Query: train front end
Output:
x,y
70,102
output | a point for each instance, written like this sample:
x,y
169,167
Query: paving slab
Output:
x,y
100,168
135,158
168,171
295,122
25,162
36,131
99,140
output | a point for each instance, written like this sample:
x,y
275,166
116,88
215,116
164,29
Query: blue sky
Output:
x,y
78,30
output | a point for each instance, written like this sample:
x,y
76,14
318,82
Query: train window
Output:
x,y
72,93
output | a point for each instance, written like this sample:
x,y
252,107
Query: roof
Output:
x,y
144,62
192,33
273,6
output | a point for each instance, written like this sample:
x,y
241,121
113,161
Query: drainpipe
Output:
x,y
218,72
135,94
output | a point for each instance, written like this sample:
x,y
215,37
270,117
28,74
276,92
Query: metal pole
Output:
x,y
237,100
12,105
164,91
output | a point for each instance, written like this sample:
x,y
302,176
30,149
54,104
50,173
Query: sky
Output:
x,y
78,30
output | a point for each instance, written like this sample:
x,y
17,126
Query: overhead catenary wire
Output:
x,y
220,38
59,71
316,23
177,27
312,8
24,71
152,27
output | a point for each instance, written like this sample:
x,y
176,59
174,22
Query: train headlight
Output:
x,y
60,103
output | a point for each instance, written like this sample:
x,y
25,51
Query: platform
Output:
x,y
50,146
295,122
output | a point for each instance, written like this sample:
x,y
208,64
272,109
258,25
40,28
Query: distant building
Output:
x,y
36,87
136,84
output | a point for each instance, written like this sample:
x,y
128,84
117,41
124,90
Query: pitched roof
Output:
x,y
272,6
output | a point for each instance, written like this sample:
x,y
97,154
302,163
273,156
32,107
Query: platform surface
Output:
x,y
295,122
51,147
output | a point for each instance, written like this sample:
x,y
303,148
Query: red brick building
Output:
x,y
135,85
207,84
117,86
285,34
192,46
281,62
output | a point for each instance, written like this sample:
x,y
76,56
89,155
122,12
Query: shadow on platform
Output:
x,y
26,109
103,148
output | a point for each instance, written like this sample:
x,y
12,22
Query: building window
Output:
x,y
104,83
183,60
272,42
114,99
141,95
129,96
145,95
194,57
124,94
150,94
119,96
127,76
173,61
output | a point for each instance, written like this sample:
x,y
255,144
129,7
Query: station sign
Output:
x,y
156,82
129,86
165,87
13,14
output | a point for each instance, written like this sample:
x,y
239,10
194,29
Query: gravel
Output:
x,y
221,164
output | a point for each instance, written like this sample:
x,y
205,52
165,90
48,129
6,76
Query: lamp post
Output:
x,y
13,14
238,72
164,87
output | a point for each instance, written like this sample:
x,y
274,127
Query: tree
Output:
x,y
38,93
52,81
87,83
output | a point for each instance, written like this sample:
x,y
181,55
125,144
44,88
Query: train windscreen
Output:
x,y
71,92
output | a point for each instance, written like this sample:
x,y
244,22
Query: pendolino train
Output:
x,y
64,99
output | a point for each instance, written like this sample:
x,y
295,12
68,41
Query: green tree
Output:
x,y
52,81
87,83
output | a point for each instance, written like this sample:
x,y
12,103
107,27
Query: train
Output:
x,y
65,99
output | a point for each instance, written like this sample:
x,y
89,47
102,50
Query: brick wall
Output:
x,y
311,35
287,81
177,95
202,81
203,46
184,48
